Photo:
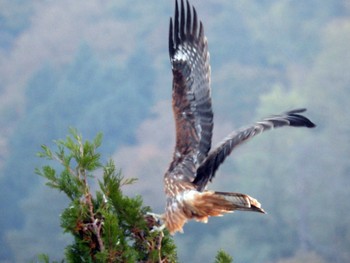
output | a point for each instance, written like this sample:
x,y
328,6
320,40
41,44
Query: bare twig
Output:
x,y
94,221
159,245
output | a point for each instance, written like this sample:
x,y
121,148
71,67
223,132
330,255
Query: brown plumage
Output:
x,y
193,164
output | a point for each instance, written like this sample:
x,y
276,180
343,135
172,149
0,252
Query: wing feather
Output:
x,y
191,96
206,171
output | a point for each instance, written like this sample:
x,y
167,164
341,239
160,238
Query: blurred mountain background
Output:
x,y
100,65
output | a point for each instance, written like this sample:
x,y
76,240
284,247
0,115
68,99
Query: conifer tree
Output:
x,y
107,226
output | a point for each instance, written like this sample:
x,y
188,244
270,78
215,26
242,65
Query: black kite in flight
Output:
x,y
194,163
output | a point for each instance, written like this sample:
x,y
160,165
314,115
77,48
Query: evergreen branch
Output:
x,y
88,198
64,164
223,257
110,227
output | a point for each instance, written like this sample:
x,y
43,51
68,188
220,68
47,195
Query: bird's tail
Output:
x,y
218,203
240,202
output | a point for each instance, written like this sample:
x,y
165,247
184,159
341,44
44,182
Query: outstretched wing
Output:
x,y
207,170
191,90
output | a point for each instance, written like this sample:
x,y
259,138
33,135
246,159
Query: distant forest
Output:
x,y
103,66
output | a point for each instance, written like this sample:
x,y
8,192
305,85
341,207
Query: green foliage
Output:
x,y
107,226
223,257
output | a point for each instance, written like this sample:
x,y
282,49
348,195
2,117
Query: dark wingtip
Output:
x,y
298,120
300,110
185,27
171,38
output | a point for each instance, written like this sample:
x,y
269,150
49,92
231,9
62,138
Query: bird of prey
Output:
x,y
194,163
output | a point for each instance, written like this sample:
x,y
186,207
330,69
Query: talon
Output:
x,y
156,225
158,228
